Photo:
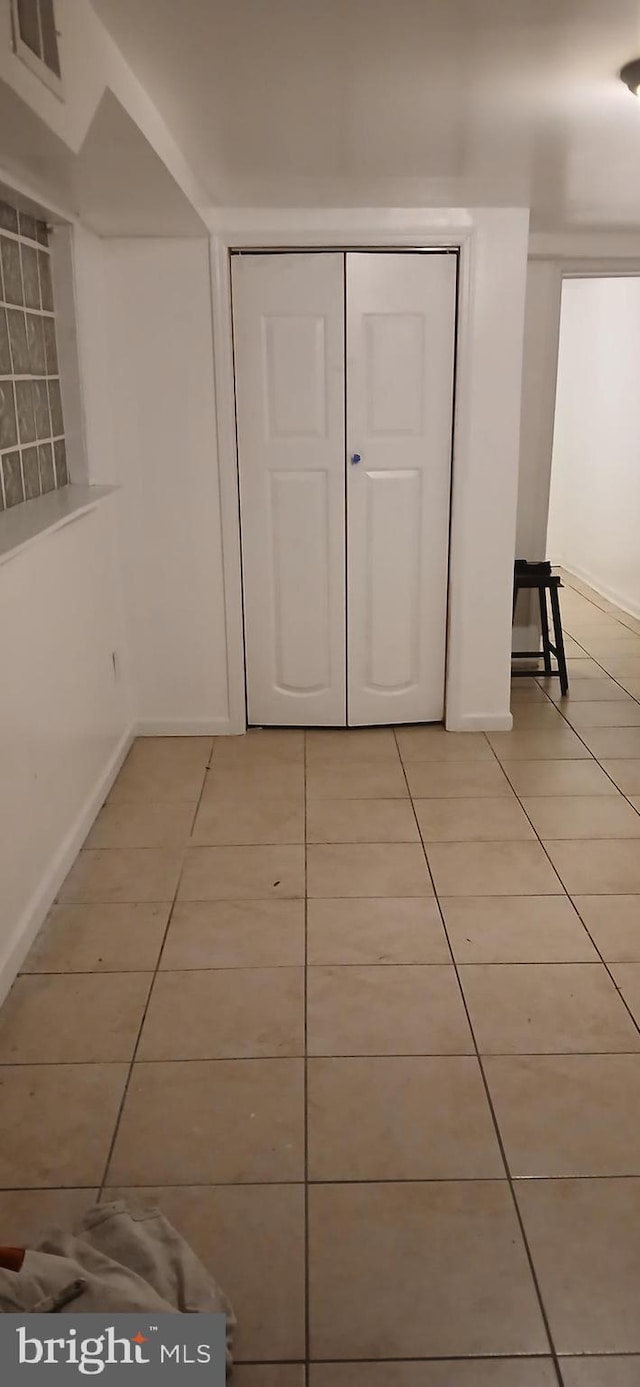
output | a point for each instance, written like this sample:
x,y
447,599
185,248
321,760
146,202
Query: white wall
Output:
x,y
485,474
141,574
595,487
539,373
151,426
64,718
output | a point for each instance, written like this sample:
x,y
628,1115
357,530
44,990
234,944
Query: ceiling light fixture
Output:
x,y
630,75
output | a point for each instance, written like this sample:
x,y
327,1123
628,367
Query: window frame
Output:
x,y
31,60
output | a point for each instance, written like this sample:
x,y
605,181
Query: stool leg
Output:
x,y
515,599
559,642
544,622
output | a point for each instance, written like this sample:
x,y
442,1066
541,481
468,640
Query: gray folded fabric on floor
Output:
x,y
114,1259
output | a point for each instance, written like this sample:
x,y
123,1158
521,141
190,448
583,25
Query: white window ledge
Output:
x,y
24,524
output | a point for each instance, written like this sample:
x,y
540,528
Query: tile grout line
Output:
x,y
494,1118
458,1359
538,676
143,1018
268,1059
377,1180
196,811
584,761
559,709
605,672
307,1303
296,967
603,960
568,895
566,573
570,898
306,1177
522,1180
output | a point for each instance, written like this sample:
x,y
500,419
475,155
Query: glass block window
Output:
x,y
33,456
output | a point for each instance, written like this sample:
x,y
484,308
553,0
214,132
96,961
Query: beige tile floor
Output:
x,y
361,1011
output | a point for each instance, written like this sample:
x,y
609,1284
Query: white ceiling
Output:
x,y
398,102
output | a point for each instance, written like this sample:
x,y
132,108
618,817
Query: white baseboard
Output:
x,y
36,910
187,727
482,722
621,599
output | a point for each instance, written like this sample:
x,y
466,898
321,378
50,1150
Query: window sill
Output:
x,y
23,525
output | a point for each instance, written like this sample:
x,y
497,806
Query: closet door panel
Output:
x,y
400,363
289,346
299,529
392,638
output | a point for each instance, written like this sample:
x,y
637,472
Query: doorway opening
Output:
x,y
594,503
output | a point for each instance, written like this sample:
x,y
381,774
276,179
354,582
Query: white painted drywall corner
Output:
x,y
539,373
485,471
65,718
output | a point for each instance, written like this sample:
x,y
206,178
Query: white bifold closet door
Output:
x,y
289,351
400,355
345,521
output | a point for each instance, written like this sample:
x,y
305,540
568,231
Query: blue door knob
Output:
x,y
355,457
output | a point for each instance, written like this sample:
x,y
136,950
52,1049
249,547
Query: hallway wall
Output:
x,y
595,478
64,712
140,575
144,311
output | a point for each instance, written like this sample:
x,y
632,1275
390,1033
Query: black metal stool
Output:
x,y
538,576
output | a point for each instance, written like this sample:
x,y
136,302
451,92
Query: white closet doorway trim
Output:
x,y
493,249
